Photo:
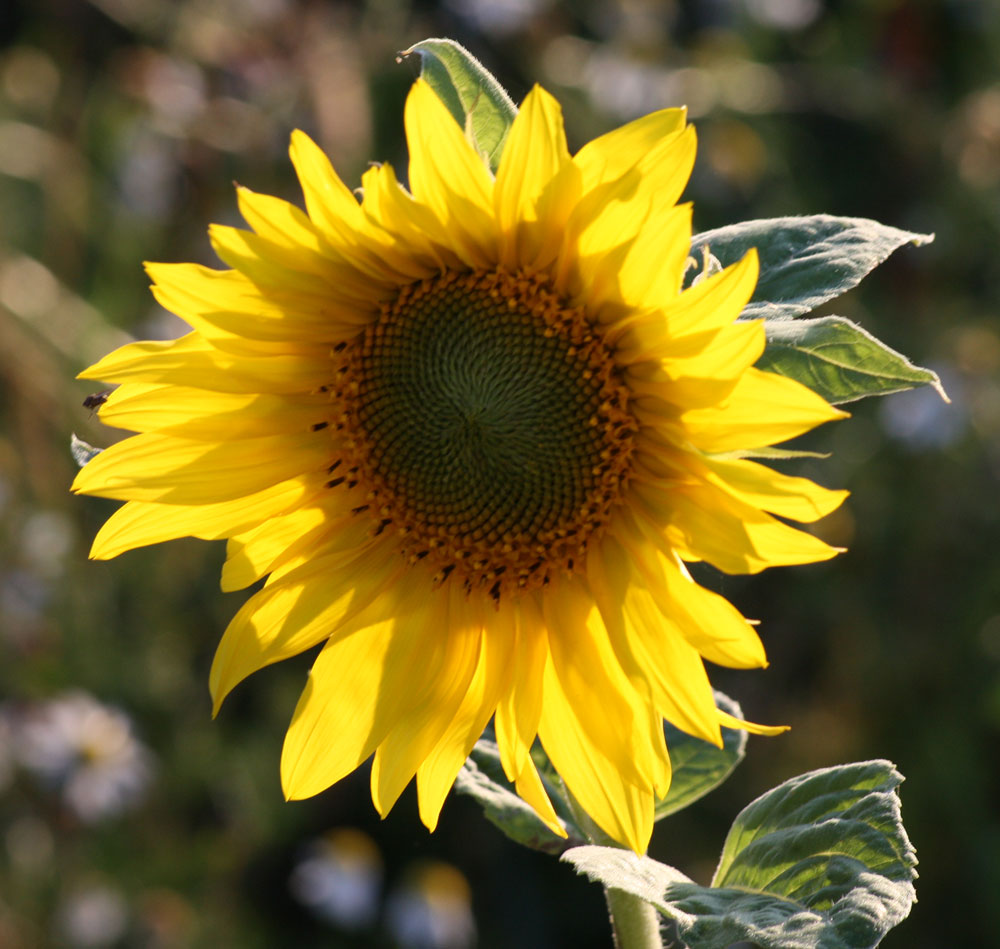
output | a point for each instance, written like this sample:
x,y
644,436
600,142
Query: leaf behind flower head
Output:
x,y
839,360
805,261
698,766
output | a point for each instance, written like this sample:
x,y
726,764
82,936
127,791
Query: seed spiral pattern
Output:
x,y
489,425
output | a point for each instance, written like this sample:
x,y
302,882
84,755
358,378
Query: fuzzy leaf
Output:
x,y
805,261
471,93
839,360
698,766
819,862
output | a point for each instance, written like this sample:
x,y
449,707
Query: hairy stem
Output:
x,y
634,922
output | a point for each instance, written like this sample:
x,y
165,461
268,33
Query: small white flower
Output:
x,y
88,751
340,880
432,910
94,916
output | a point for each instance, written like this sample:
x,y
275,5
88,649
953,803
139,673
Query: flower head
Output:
x,y
471,432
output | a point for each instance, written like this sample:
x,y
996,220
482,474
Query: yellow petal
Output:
x,y
709,305
534,153
307,606
592,680
283,224
293,240
611,155
652,272
168,469
521,706
139,523
730,722
227,307
337,215
436,774
336,725
332,207
202,414
435,690
649,643
253,554
622,809
599,234
763,487
530,788
704,523
268,264
615,212
629,254
447,176
419,243
762,409
706,377
709,622
193,361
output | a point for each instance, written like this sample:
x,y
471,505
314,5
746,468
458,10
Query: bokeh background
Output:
x,y
128,817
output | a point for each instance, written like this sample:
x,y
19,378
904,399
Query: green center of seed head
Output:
x,y
478,413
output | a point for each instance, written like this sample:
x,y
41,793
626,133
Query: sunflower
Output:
x,y
470,432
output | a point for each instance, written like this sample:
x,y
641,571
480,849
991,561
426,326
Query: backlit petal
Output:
x,y
168,469
762,409
437,771
449,177
621,808
533,155
139,523
434,692
289,617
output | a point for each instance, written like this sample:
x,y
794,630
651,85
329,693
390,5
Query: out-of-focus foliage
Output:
x,y
123,124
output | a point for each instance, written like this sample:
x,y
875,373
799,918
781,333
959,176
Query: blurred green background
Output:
x,y
129,818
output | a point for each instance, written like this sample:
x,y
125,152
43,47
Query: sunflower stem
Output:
x,y
635,924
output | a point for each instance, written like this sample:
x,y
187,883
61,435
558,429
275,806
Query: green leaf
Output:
x,y
482,777
698,766
839,360
805,261
820,862
856,805
472,94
